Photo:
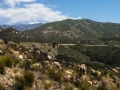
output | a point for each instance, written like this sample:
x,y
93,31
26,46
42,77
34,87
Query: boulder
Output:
x,y
56,64
20,56
1,52
115,70
90,82
83,68
49,57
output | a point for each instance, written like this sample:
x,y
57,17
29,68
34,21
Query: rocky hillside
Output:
x,y
77,31
37,66
11,34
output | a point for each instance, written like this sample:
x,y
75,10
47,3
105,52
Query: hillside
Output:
x,y
77,31
12,34
37,66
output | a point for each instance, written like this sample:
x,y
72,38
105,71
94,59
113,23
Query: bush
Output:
x,y
29,78
2,87
2,67
47,85
20,83
69,87
8,61
85,86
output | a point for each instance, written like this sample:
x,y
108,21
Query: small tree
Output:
x,y
29,78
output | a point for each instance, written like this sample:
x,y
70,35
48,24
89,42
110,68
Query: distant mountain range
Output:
x,y
82,31
22,27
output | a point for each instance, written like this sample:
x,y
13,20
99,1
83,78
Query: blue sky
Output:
x,y
35,11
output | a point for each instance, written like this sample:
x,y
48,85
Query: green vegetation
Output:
x,y
85,86
82,31
8,61
20,83
2,66
2,87
29,78
104,54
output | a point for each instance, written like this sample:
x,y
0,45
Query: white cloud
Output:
x,y
33,22
12,3
77,18
31,13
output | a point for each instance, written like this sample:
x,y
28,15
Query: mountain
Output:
x,y
12,34
77,31
22,27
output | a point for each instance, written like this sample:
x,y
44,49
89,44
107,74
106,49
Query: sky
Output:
x,y
43,11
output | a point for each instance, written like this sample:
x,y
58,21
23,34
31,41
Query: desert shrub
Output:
x,y
29,78
113,88
2,87
118,84
47,85
68,87
1,41
20,83
22,64
8,60
2,67
25,64
101,88
55,75
85,86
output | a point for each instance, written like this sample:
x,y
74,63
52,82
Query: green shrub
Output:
x,y
20,83
2,87
85,86
69,87
8,61
29,78
47,85
101,88
2,67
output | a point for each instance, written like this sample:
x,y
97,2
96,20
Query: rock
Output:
x,y
83,68
1,52
20,56
93,70
46,62
68,74
118,68
90,82
49,57
56,64
35,66
98,73
115,70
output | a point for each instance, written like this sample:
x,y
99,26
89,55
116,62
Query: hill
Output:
x,y
77,31
12,34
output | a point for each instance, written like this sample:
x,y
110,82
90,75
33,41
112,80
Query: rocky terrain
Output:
x,y
39,66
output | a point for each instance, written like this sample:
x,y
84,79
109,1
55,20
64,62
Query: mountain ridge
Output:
x,y
22,27
82,30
